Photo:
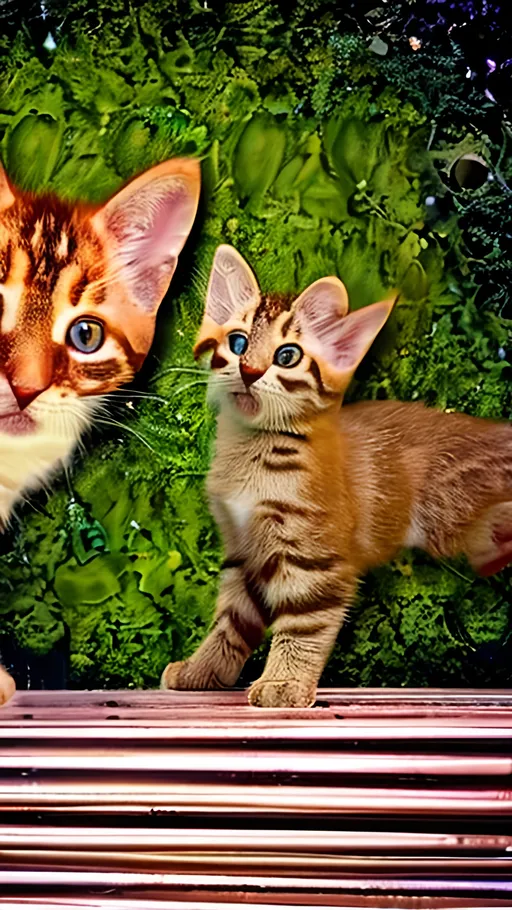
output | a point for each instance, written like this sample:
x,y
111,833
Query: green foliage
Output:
x,y
314,153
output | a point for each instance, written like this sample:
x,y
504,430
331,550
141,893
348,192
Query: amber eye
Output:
x,y
86,336
288,355
237,343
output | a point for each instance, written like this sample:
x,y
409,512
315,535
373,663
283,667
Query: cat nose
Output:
x,y
249,374
24,396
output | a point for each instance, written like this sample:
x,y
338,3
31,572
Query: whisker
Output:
x,y
168,370
142,395
189,385
29,503
117,423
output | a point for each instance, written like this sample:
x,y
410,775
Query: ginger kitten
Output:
x,y
80,288
309,496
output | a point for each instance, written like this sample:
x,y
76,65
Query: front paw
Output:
x,y
274,693
7,686
185,675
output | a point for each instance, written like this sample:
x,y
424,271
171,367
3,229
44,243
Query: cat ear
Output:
x,y
7,197
146,224
232,286
341,340
232,289
323,303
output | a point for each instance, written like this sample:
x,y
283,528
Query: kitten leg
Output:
x,y
301,644
238,629
7,686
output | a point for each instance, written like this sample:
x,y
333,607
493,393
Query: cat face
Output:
x,y
277,361
80,289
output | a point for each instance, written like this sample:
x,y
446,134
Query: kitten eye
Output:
x,y
237,343
86,336
288,355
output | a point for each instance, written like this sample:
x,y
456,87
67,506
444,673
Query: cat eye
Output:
x,y
288,355
238,343
86,336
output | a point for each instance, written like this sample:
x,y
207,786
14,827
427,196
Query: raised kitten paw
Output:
x,y
7,686
185,675
290,693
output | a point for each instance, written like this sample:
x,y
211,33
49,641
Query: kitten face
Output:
x,y
79,292
56,338
277,361
263,370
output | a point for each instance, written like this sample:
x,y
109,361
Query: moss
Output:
x,y
314,155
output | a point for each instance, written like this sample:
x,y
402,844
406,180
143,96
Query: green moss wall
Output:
x,y
318,155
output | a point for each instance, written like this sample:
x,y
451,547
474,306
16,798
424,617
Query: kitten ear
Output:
x,y
146,224
355,335
232,288
323,303
7,197
318,311
232,285
340,339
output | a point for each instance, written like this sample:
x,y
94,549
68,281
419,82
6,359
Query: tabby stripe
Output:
x,y
286,507
320,564
6,262
292,385
253,592
301,436
100,372
286,325
315,372
78,289
279,466
308,607
231,564
134,358
231,646
269,568
249,631
284,450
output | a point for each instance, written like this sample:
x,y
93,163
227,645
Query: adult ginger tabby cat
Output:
x,y
309,496
80,288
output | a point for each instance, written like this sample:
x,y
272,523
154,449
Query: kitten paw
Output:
x,y
290,693
185,676
7,686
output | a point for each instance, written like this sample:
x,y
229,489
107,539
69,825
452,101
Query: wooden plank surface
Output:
x,y
185,800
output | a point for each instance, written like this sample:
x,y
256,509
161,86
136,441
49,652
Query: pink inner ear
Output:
x,y
348,344
232,286
149,229
322,322
319,311
344,342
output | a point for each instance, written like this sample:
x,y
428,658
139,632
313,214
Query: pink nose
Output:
x,y
24,396
249,374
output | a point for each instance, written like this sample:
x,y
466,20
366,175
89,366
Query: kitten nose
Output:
x,y
24,396
249,374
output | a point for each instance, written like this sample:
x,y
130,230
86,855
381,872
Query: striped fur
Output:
x,y
309,496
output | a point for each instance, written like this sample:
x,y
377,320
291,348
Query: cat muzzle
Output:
x,y
23,396
250,375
